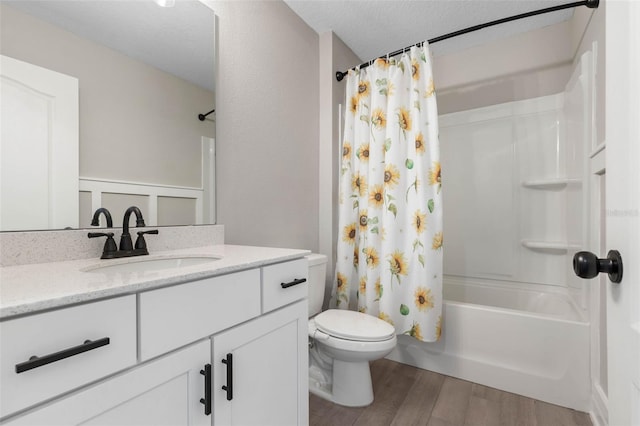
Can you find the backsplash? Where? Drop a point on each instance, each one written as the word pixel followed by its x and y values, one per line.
pixel 23 248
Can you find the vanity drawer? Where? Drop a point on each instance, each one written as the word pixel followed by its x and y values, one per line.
pixel 175 316
pixel 110 325
pixel 283 283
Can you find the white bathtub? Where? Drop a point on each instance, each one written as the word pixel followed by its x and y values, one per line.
pixel 498 334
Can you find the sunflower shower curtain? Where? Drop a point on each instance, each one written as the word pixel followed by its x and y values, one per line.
pixel 390 207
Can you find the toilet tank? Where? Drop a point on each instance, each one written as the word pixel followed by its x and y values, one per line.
pixel 317 275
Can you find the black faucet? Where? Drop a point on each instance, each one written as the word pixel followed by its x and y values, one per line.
pixel 110 250
pixel 95 221
pixel 125 240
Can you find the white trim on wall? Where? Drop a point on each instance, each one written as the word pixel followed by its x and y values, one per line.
pixel 209 179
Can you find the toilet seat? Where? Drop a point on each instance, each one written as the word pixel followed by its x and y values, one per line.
pixel 331 343
pixel 355 326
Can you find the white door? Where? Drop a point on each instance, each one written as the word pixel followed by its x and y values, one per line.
pixel 623 207
pixel 38 147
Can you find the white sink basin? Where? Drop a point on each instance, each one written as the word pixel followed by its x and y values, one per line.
pixel 149 265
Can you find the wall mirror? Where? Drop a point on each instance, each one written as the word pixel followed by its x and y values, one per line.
pixel 143 74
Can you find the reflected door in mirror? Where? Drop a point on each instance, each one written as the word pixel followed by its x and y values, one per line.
pixel 38 147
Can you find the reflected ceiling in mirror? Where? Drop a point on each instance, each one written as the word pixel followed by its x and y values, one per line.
pixel 175 39
pixel 144 72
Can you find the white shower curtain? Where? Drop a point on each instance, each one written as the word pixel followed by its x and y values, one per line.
pixel 389 250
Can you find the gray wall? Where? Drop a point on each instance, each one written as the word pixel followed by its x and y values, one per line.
pixel 137 123
pixel 334 56
pixel 267 125
pixel 528 65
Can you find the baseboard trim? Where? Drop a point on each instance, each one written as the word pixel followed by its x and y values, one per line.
pixel 599 406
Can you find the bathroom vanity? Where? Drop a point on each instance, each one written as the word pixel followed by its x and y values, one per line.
pixel 219 340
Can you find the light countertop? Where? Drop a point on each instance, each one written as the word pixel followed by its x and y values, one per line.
pixel 27 289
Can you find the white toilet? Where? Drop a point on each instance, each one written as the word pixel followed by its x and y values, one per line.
pixel 341 344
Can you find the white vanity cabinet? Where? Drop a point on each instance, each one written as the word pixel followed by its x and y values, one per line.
pixel 175 316
pixel 165 391
pixel 163 364
pixel 265 364
pixel 67 360
pixel 260 370
pixel 261 367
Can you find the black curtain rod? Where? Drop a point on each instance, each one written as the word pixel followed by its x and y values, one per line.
pixel 592 4
pixel 201 117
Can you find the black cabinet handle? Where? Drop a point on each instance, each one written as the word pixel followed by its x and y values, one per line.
pixel 294 282
pixel 207 389
pixel 229 386
pixel 36 361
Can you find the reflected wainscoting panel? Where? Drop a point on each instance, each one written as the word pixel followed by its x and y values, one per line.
pixel 160 205
pixel 176 211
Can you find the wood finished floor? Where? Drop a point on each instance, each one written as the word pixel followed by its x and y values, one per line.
pixel 406 395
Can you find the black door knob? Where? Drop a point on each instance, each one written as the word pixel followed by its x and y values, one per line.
pixel 587 265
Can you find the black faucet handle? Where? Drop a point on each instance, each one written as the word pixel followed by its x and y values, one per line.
pixel 140 242
pixel 110 247
pixel 100 234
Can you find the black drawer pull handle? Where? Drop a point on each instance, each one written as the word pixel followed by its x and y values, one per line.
pixel 294 282
pixel 36 361
pixel 207 389
pixel 229 386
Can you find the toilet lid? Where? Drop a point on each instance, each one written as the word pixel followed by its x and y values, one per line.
pixel 353 325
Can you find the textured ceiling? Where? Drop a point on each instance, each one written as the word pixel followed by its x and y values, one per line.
pixel 178 40
pixel 374 28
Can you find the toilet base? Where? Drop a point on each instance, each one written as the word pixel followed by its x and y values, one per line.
pixel 349 384
pixel 352 385
pixel 339 368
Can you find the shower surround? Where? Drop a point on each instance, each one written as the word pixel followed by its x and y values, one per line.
pixel 515 211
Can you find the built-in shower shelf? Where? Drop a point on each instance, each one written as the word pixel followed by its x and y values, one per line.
pixel 551 246
pixel 555 183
